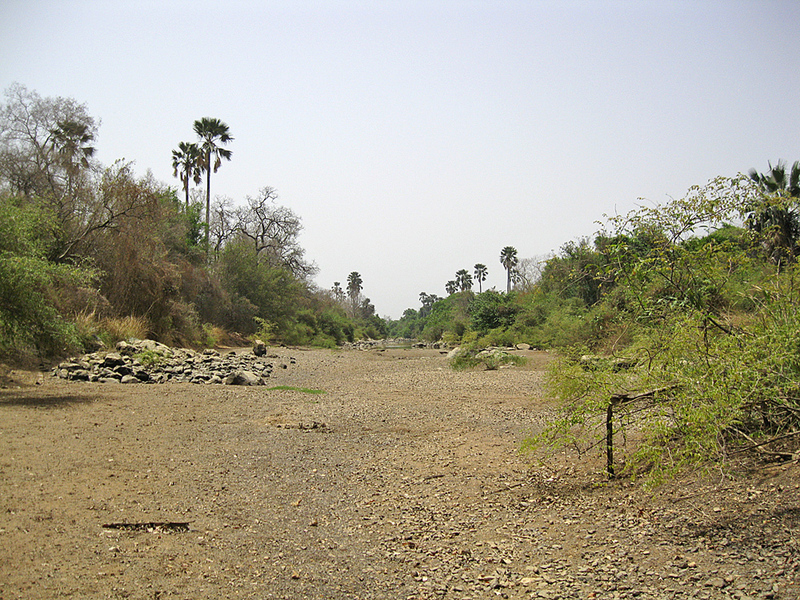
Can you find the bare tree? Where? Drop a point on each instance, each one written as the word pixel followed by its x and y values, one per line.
pixel 528 271
pixel 223 226
pixel 273 230
pixel 45 145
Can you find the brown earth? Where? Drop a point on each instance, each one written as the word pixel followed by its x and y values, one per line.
pixel 403 480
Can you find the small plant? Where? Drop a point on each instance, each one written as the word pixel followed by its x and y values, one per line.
pixel 211 335
pixel 295 389
pixel 125 328
pixel 265 331
pixel 148 358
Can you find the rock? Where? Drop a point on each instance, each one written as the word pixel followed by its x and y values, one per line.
pixel 523 346
pixel 129 379
pixel 113 359
pixel 79 375
pixel 259 348
pixel 243 378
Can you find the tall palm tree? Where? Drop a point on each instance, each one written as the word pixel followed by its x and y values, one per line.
pixel 777 218
pixel 211 133
pixel 354 289
pixel 451 287
pixel 463 280
pixel 187 164
pixel 71 143
pixel 480 275
pixel 508 258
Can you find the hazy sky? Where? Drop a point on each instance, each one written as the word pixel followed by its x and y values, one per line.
pixel 415 139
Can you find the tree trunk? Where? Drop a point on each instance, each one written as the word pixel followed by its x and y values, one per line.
pixel 208 199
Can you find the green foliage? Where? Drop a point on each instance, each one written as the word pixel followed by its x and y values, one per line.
pixel 714 328
pixel 491 310
pixel 148 358
pixel 31 287
pixel 273 291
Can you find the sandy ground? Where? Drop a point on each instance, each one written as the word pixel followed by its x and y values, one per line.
pixel 402 480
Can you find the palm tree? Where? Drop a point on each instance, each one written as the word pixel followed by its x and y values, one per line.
pixel 71 144
pixel 338 293
pixel 777 218
pixel 187 164
pixel 480 275
pixel 211 132
pixel 508 258
pixel 354 289
pixel 463 280
pixel 451 287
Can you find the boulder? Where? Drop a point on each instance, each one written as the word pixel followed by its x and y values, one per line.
pixel 259 348
pixel 113 359
pixel 243 378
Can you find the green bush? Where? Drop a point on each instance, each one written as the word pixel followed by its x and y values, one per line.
pixel 470 357
pixel 30 284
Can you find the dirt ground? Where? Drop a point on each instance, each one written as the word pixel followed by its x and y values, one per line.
pixel 403 480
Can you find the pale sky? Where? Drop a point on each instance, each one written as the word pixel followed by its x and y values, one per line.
pixel 415 139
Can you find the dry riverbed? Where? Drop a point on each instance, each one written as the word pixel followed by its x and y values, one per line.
pixel 403 480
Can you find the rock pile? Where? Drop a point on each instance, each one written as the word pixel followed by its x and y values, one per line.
pixel 148 361
pixel 392 343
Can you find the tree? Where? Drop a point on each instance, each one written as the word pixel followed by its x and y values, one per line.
pixel 480 275
pixel 776 217
pixel 273 231
pixel 463 280
pixel 508 258
pixel 211 133
pixel 71 144
pixel 337 291
pixel 44 146
pixel 427 301
pixel 451 287
pixel 187 164
pixel 354 289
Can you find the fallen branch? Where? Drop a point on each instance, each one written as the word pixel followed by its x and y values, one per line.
pixel 505 489
pixel 151 526
pixel 759 447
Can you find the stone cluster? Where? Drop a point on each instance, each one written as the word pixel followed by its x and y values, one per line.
pixel 392 343
pixel 148 361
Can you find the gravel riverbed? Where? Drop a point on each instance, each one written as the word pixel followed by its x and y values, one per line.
pixel 402 480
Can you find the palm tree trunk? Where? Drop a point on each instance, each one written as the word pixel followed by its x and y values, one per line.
pixel 208 199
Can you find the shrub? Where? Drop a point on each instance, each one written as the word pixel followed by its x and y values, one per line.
pixel 30 284
pixel 123 328
pixel 469 357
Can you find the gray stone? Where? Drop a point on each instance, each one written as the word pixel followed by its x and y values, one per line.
pixel 243 378
pixel 259 348
pixel 113 359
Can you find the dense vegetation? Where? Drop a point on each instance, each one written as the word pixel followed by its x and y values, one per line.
pixel 92 253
